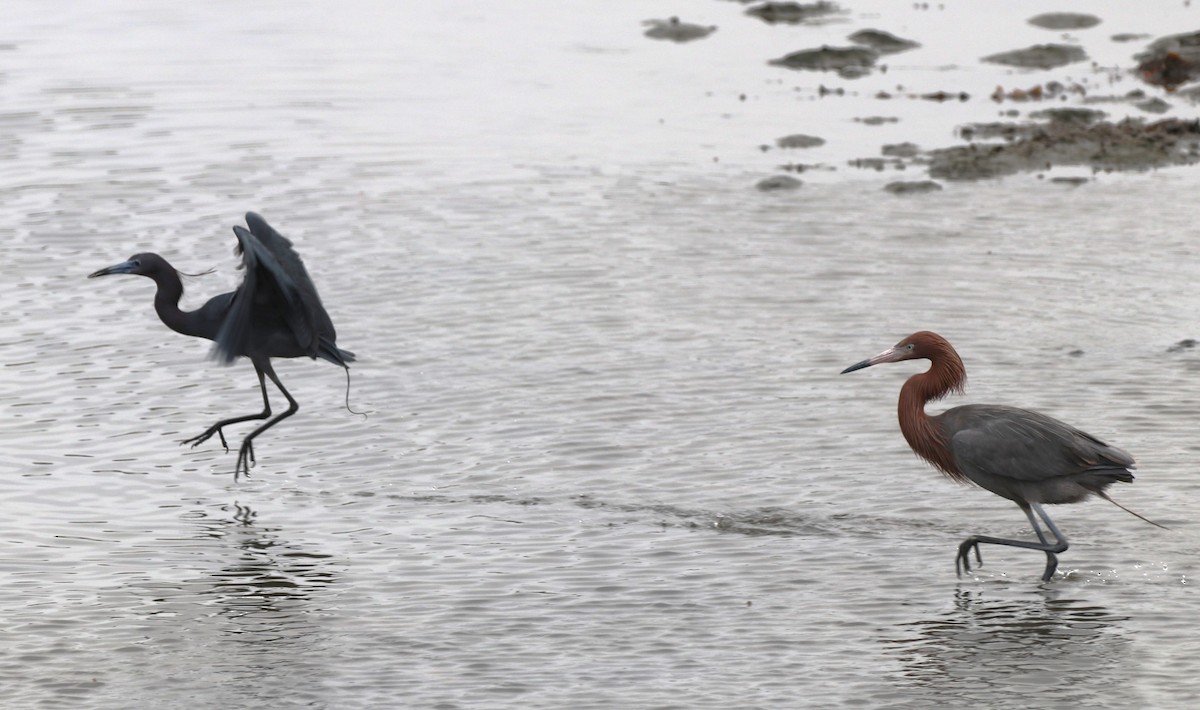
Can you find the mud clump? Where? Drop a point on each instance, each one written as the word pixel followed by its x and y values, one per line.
pixel 799 140
pixel 849 62
pixel 793 13
pixel 912 187
pixel 1128 145
pixel 901 150
pixel 882 42
pixel 778 183
pixel 675 31
pixel 1064 21
pixel 1071 115
pixel 1041 56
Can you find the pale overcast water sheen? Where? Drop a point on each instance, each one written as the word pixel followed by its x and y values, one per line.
pixel 609 461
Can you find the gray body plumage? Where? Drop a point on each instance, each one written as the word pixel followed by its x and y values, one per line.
pixel 1026 456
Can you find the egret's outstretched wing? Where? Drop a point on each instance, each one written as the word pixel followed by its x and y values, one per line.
pixel 288 263
pixel 275 288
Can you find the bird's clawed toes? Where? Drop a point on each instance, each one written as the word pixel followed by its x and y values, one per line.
pixel 245 460
pixel 962 563
pixel 198 440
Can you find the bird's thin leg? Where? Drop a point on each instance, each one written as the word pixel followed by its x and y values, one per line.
pixel 1059 545
pixel 1060 541
pixel 1037 530
pixel 246 453
pixel 216 428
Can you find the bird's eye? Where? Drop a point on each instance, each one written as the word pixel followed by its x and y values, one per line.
pixel 910 346
pixel 137 262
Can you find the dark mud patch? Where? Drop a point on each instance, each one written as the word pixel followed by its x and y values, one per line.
pixel 1040 56
pixel 674 30
pixel 1130 145
pixel 794 13
pixel 1154 105
pixel 1182 345
pixel 882 42
pixel 1069 181
pixel 799 140
pixel 1064 21
pixel 1170 61
pixel 1070 115
pixel 912 187
pixel 778 183
pixel 901 150
pixel 848 62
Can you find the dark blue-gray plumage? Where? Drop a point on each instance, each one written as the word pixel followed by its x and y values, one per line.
pixel 1026 457
pixel 275 312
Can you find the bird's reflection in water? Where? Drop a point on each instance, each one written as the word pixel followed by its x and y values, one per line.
pixel 1067 651
pixel 250 605
pixel 265 591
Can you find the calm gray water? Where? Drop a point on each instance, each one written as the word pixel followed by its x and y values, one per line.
pixel 609 461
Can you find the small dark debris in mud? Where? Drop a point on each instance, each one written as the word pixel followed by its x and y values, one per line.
pixel 882 42
pixel 823 90
pixel 1128 145
pixel 674 30
pixel 1075 353
pixel 1049 90
pixel 877 120
pixel 946 96
pixel 1185 344
pixel 995 129
pixel 1069 181
pixel 1154 105
pixel 1040 56
pixel 878 164
pixel 1072 115
pixel 912 187
pixel 849 62
pixel 793 12
pixel 1128 37
pixel 799 140
pixel 805 167
pixel 778 182
pixel 1064 21
pixel 901 150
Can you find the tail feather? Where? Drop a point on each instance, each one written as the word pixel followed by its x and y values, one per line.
pixel 328 351
pixel 1104 495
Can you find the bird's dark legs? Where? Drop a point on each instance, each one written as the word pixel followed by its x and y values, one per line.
pixel 1059 544
pixel 216 428
pixel 245 457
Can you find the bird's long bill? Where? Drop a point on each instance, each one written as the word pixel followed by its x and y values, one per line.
pixel 124 267
pixel 889 355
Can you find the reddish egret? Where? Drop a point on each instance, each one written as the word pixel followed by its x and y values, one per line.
pixel 274 313
pixel 1026 457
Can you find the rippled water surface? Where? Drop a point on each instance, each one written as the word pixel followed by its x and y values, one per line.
pixel 609 461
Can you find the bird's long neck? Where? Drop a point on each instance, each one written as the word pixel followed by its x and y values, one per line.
pixel 923 432
pixel 166 303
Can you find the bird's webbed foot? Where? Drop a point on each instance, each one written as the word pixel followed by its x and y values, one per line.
pixel 245 460
pixel 198 440
pixel 962 563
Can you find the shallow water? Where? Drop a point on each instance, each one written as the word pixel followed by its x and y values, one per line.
pixel 609 461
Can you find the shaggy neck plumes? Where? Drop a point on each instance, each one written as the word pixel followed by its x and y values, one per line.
pixel 946 374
